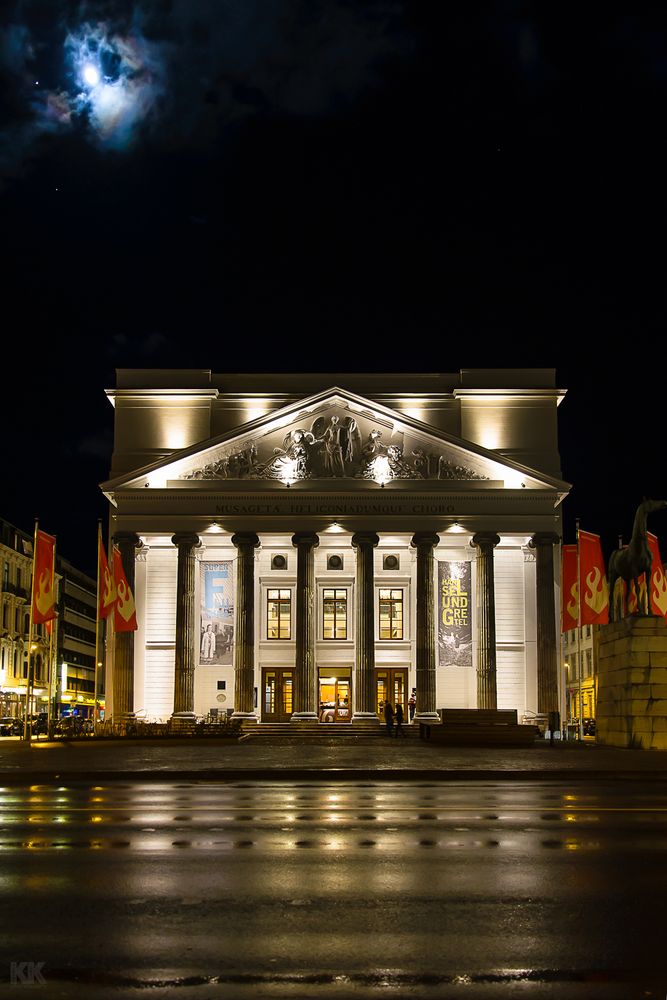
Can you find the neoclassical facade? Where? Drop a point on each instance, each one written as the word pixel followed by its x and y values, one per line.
pixel 305 547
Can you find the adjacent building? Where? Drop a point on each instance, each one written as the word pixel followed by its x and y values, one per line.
pixel 304 547
pixel 62 658
pixel 77 635
pixel 580 673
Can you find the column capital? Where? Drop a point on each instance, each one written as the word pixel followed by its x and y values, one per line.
pixel 308 539
pixel 425 539
pixel 187 539
pixel 245 539
pixel 362 539
pixel 485 539
pixel 544 538
pixel 127 538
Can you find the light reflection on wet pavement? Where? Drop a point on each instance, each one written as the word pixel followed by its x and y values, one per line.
pixel 307 888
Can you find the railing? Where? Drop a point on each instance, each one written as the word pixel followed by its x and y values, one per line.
pixel 140 729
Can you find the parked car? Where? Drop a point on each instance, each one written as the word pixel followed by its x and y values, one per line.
pixel 74 725
pixel 9 726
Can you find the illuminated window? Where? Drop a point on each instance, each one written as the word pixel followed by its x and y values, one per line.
pixel 270 693
pixel 279 614
pixel 334 605
pixel 391 613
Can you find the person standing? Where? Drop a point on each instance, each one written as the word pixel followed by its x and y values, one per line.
pixel 412 703
pixel 389 718
pixel 399 720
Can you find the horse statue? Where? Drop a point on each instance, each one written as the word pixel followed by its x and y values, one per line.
pixel 629 563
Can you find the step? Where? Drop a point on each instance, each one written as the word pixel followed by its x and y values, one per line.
pixel 317 730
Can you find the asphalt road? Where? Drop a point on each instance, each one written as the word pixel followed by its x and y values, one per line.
pixel 361 889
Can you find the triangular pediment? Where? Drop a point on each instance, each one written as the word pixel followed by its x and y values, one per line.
pixel 335 436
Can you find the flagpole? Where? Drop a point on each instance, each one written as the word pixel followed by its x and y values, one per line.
pixel 97 628
pixel 27 722
pixel 563 685
pixel 49 690
pixel 580 665
pixel 50 627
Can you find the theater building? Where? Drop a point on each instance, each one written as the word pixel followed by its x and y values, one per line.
pixel 304 547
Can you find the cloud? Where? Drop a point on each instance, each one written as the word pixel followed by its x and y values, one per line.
pixel 180 71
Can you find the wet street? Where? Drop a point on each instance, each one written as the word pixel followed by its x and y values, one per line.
pixel 307 889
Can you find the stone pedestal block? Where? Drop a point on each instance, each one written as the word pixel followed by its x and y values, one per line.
pixel 632 695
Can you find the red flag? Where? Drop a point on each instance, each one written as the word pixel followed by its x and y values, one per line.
pixel 594 586
pixel 43 582
pixel 569 589
pixel 105 584
pixel 125 617
pixel 658 581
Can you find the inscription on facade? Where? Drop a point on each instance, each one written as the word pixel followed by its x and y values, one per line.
pixel 333 509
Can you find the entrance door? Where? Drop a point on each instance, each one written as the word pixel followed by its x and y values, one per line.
pixel 392 686
pixel 335 699
pixel 277 695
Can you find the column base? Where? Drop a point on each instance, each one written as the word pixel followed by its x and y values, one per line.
pixel 298 717
pixel 185 716
pixel 364 717
pixel 427 718
pixel 245 717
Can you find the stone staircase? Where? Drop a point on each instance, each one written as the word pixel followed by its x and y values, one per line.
pixel 315 731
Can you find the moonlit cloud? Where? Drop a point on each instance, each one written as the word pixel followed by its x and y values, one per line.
pixel 115 81
pixel 180 71
pixel 103 80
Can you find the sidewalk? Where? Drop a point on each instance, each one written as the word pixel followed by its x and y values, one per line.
pixel 284 759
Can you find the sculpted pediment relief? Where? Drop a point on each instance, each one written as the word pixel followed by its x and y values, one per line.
pixel 336 442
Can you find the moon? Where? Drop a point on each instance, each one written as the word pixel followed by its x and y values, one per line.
pixel 91 75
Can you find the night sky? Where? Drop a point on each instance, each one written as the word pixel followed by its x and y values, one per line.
pixel 336 186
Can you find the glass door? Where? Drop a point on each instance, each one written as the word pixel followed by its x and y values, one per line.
pixel 276 695
pixel 335 700
pixel 392 686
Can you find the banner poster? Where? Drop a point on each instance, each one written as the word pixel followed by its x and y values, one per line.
pixel 216 638
pixel 454 614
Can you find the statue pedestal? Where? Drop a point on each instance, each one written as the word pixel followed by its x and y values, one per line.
pixel 632 684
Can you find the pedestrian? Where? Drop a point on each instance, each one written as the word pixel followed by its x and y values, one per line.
pixel 399 720
pixel 389 718
pixel 412 703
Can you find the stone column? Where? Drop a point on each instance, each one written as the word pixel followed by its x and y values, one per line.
pixel 425 542
pixel 547 642
pixel 186 626
pixel 364 698
pixel 305 675
pixel 244 639
pixel 123 660
pixel 487 697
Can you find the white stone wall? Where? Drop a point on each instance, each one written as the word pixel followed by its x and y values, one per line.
pixel 159 615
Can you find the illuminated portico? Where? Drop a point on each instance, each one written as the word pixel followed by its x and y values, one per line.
pixel 323 534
